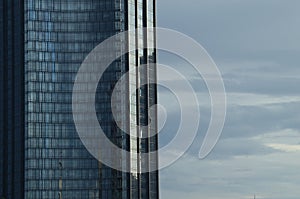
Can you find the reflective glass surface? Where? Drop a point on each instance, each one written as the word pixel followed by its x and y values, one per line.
pixel 36 98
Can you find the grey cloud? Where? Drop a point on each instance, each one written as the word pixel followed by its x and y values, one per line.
pixel 256 45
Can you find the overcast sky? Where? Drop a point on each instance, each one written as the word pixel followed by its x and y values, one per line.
pixel 256 45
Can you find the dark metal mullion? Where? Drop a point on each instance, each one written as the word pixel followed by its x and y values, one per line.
pixel 126 13
pixel 5 145
pixel 146 93
pixel 137 96
pixel 155 97
pixel 12 44
pixel 22 69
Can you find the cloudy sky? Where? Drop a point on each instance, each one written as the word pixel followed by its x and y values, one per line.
pixel 256 45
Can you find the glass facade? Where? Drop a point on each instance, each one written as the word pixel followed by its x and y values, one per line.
pixel 141 14
pixel 11 99
pixel 37 76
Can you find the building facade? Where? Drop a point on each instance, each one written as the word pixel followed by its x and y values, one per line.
pixel 43 43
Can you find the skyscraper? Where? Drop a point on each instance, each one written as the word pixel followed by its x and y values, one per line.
pixel 42 44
